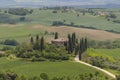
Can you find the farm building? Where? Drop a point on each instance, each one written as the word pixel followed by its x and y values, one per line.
pixel 59 42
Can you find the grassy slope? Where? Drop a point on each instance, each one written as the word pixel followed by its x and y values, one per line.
pixel 23 30
pixel 111 54
pixel 35 68
pixel 47 17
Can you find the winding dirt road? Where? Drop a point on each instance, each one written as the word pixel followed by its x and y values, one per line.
pixel 106 72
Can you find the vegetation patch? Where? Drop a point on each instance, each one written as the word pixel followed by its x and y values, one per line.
pixel 55 70
pixel 104 58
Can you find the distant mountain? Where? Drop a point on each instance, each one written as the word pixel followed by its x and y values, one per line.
pixel 99 6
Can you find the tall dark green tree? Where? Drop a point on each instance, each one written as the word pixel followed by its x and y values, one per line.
pixel 56 35
pixel 82 46
pixel 68 44
pixel 42 44
pixel 73 39
pixel 80 49
pixel 70 48
pixel 86 44
pixel 37 37
pixel 32 40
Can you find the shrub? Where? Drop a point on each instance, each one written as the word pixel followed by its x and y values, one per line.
pixel 117 77
pixel 6 48
pixel 44 76
pixel 98 61
pixel 57 23
pixel 38 59
pixel 116 21
pixel 111 16
pixel 54 12
pixel 10 42
pixel 18 11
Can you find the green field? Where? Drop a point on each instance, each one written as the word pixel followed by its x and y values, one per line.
pixel 111 54
pixel 53 69
pixel 40 21
pixel 23 30
pixel 46 17
pixel 115 53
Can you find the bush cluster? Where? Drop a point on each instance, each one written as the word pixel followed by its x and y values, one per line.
pixel 19 11
pixel 104 44
pixel 51 53
pixel 60 23
pixel 43 76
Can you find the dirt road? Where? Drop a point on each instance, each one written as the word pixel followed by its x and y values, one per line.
pixel 106 72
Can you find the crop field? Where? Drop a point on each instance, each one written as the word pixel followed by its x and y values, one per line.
pixel 21 32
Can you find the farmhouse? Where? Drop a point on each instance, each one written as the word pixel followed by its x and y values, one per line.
pixel 59 42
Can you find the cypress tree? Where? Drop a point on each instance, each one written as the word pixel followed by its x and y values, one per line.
pixel 73 39
pixel 80 50
pixel 56 35
pixel 31 40
pixel 71 45
pixel 82 45
pixel 42 44
pixel 37 37
pixel 68 43
pixel 86 44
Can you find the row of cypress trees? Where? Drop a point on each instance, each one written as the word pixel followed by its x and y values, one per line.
pixel 82 47
pixel 38 44
pixel 74 46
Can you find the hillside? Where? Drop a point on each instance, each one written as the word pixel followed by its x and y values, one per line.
pixel 21 32
pixel 108 58
pixel 47 17
pixel 55 69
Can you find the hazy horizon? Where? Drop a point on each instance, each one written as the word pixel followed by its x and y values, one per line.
pixel 61 2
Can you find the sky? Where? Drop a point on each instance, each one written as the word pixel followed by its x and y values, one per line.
pixel 73 1
pixel 60 2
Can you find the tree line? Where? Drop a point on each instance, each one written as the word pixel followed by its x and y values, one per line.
pixel 78 47
pixel 39 50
